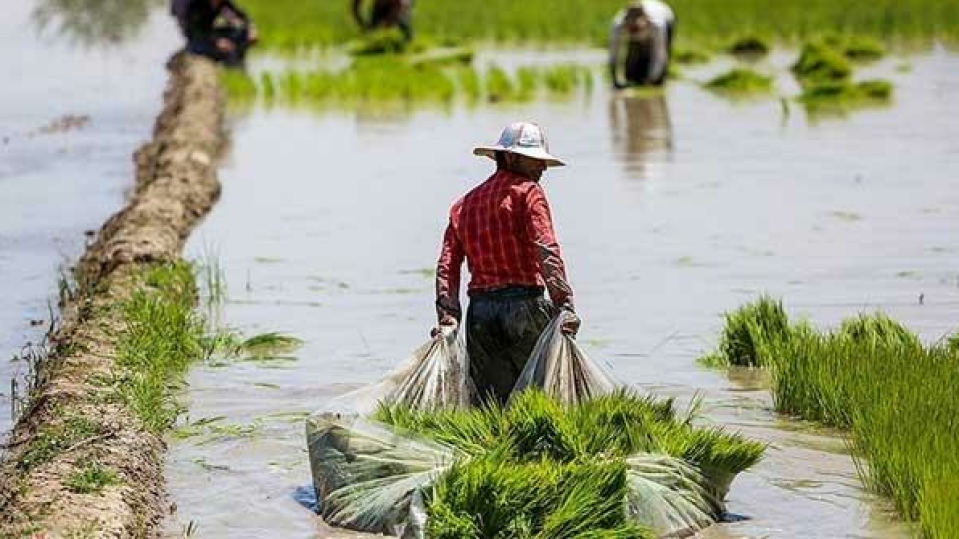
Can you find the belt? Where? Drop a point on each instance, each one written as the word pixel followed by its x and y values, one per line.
pixel 510 292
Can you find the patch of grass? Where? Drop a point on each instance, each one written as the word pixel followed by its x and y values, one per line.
pixel 749 332
pixel 820 63
pixel 895 396
pixel 92 478
pixel 418 79
pixel 843 95
pixel 267 345
pixel 857 48
pixel 749 46
pixel 161 337
pixel 691 56
pixel 741 82
pixel 290 25
pixel 54 439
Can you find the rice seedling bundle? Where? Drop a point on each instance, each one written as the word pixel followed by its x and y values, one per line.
pixel 741 82
pixel 896 397
pixel 539 468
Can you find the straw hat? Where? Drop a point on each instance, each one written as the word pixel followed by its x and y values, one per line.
pixel 523 138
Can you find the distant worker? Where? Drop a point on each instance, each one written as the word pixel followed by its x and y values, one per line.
pixel 387 14
pixel 217 29
pixel 645 30
pixel 504 230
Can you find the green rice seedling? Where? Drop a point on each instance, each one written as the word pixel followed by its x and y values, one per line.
pixel 749 46
pixel 691 56
pixel 749 333
pixel 387 41
pixel 487 498
pixel 270 344
pixel 292 25
pixel 820 63
pixel 565 79
pixel 92 479
pixel 741 82
pixel 878 330
pixel 499 87
pixel 863 48
pixel 539 428
pixel 238 85
pixel 896 397
pixel 528 81
pixel 475 431
pixel 841 96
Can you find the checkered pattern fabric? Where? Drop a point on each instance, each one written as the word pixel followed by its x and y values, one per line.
pixel 504 230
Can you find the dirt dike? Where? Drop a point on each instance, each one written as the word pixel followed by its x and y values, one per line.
pixel 176 186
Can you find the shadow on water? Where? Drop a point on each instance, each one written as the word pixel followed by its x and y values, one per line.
pixel 94 22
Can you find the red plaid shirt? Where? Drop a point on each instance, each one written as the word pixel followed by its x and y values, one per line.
pixel 504 230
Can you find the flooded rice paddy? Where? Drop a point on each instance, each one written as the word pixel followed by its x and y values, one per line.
pixel 675 208
pixel 71 115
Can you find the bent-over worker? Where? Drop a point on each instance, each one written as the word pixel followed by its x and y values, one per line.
pixel 217 29
pixel 387 14
pixel 504 230
pixel 645 30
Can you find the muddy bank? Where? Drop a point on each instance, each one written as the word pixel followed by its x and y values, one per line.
pixel 74 418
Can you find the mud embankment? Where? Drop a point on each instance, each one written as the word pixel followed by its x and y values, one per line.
pixel 73 418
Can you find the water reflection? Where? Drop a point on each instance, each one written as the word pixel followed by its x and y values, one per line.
pixel 641 129
pixel 94 22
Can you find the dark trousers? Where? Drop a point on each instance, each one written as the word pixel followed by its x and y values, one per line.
pixel 502 328
pixel 205 45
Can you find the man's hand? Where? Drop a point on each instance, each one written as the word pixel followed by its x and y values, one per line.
pixel 225 45
pixel 251 35
pixel 447 320
pixel 571 324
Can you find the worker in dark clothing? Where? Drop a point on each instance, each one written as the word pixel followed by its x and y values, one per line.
pixel 387 14
pixel 645 31
pixel 503 229
pixel 217 29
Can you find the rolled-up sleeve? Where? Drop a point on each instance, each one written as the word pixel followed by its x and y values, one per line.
pixel 540 231
pixel 448 272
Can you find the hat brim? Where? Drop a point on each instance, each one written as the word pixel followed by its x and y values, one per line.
pixel 534 153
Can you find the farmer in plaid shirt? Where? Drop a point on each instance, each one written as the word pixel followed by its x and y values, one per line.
pixel 504 231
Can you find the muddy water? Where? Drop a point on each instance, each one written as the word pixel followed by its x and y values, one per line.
pixel 61 176
pixel 674 209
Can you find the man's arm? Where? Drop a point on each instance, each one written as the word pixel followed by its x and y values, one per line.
pixel 357 13
pixel 540 231
pixel 448 271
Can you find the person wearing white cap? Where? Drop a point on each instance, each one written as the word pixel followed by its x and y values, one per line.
pixel 645 30
pixel 503 230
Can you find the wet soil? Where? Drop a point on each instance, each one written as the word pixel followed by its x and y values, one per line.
pixel 675 208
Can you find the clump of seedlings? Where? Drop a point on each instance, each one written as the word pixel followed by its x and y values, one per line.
pixel 544 469
pixel 741 82
pixel 825 74
pixel 896 397
pixel 749 333
pixel 691 56
pixel 749 47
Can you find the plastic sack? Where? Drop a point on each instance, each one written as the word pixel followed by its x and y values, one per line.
pixel 669 495
pixel 561 369
pixel 436 375
pixel 369 477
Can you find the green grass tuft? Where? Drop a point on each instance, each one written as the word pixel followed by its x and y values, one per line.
pixel 819 63
pixel 92 479
pixel 741 82
pixel 691 56
pixel 749 332
pixel 750 46
pixel 267 345
pixel 54 439
pixel 161 337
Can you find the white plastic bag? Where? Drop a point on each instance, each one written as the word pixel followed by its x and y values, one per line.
pixel 669 495
pixel 560 368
